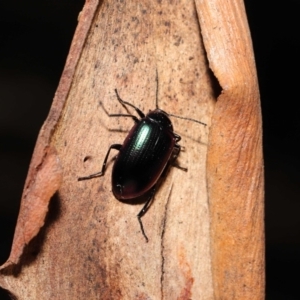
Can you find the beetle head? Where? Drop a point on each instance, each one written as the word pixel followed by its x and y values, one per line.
pixel 161 117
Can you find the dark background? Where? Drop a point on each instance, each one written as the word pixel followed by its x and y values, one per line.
pixel 34 41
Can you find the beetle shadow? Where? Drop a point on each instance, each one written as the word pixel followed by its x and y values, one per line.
pixel 108 115
pixel 188 136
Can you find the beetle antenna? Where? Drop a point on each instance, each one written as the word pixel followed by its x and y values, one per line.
pixel 183 118
pixel 189 119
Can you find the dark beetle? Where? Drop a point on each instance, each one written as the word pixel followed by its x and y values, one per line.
pixel 148 148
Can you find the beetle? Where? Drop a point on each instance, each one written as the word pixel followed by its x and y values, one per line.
pixel 145 153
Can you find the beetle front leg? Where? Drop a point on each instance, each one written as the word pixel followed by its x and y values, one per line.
pixel 101 173
pixel 144 210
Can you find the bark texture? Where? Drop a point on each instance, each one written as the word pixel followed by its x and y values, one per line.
pixel 205 226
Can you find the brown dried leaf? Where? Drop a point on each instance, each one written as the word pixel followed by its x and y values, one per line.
pixel 95 249
pixel 34 205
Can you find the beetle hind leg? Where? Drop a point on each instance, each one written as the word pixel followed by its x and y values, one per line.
pixel 144 210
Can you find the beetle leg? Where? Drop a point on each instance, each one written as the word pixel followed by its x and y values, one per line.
pixel 101 173
pixel 177 149
pixel 177 138
pixel 140 113
pixel 144 210
pixel 179 167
